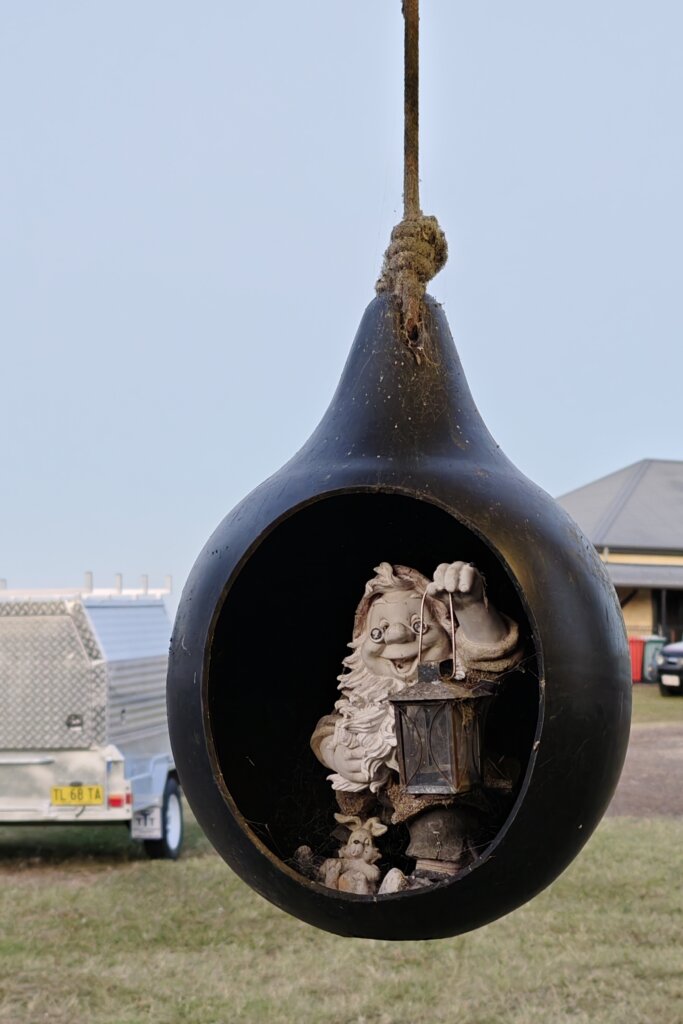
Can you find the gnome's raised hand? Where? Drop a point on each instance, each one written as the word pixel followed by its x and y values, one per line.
pixel 479 621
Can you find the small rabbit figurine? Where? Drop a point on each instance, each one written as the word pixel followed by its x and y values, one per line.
pixel 354 868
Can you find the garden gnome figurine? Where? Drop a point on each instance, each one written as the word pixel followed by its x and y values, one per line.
pixel 357 741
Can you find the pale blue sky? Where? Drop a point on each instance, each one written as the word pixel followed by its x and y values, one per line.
pixel 194 201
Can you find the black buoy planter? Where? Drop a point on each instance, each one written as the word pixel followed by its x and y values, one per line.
pixel 403 469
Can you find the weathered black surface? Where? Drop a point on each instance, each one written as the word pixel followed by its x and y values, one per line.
pixel 403 469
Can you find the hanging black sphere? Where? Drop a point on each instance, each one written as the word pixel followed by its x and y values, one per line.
pixel 401 468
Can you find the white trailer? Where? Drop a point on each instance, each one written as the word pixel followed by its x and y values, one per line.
pixel 83 733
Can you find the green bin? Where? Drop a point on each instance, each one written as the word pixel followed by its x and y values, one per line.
pixel 653 645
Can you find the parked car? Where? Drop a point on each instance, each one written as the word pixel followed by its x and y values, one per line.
pixel 670 669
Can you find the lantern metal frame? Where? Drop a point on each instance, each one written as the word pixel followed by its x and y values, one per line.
pixel 460 707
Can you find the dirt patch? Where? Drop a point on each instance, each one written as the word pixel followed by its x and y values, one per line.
pixel 652 780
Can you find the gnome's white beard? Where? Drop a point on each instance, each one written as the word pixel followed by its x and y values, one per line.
pixel 366 724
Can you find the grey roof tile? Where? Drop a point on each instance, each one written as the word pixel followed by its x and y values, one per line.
pixel 639 507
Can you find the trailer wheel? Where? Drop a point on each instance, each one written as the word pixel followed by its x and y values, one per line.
pixel 168 847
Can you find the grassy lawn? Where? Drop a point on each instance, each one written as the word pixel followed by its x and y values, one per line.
pixel 650 707
pixel 101 936
pixel 91 932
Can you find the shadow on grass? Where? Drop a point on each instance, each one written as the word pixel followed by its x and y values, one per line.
pixel 26 846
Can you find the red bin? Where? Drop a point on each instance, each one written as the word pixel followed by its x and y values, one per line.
pixel 636 646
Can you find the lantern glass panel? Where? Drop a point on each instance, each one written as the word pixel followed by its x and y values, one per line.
pixel 428 747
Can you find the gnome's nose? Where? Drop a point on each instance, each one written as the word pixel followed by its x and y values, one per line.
pixel 398 633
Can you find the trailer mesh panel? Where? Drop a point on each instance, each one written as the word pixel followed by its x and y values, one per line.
pixel 53 694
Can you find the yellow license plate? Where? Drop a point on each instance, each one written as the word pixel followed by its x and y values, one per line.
pixel 77 796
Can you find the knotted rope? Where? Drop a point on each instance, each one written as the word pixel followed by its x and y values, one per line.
pixel 418 248
pixel 417 252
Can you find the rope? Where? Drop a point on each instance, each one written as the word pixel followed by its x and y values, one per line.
pixel 411 109
pixel 418 248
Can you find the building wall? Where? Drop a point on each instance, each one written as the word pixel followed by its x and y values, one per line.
pixel 650 611
pixel 638 613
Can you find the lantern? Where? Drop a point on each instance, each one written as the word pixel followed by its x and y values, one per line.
pixel 439 733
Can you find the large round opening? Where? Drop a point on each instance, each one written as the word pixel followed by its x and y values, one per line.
pixel 277 650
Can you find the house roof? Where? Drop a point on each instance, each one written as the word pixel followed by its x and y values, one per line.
pixel 622 574
pixel 636 508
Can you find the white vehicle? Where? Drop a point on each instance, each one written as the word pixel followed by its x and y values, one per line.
pixel 83 733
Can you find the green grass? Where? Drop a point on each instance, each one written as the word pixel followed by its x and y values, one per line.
pixel 105 937
pixel 91 932
pixel 650 707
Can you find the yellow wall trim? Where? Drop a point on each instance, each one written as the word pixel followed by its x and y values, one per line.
pixel 632 558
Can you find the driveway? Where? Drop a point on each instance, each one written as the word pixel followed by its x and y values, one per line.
pixel 652 780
